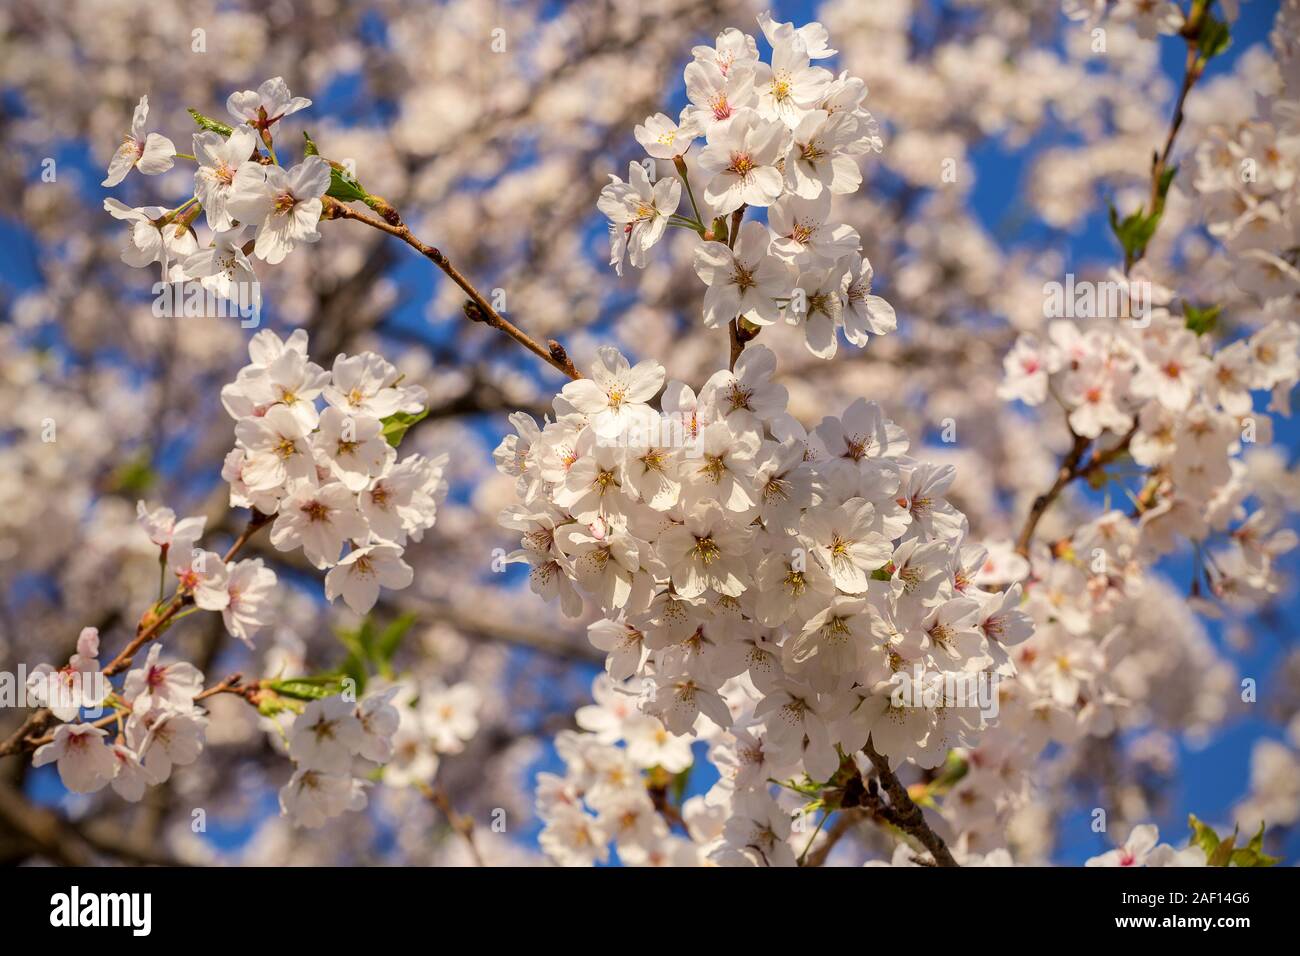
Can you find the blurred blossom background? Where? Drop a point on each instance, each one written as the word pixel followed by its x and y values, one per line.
pixel 497 159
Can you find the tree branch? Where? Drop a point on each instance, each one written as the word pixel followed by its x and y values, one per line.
pixel 478 309
pixel 1071 469
pixel 904 813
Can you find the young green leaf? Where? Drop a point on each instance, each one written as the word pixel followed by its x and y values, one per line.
pixel 1201 320
pixel 307 688
pixel 398 424
pixel 343 185
pixel 390 638
pixel 1202 835
pixel 1215 37
pixel 208 123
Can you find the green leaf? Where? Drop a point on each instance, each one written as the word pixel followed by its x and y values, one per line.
pixel 1166 180
pixel 271 706
pixel 208 123
pixel 389 639
pixel 1201 320
pixel 136 476
pixel 1252 854
pixel 1257 841
pixel 343 185
pixel 308 688
pixel 360 650
pixel 398 424
pixel 1222 854
pixel 354 667
pixel 1202 835
pixel 1134 231
pixel 1215 37
pixel 954 769
pixel 1250 858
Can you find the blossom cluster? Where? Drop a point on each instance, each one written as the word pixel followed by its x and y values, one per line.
pixel 435 721
pixel 782 137
pixel 240 590
pixel 324 479
pixel 160 726
pixel 1117 649
pixel 1184 412
pixel 338 748
pixel 249 202
pixel 335 746
pixel 1245 175
pixel 330 477
pixel 766 586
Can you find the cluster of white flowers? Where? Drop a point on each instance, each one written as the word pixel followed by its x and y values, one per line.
pixel 327 478
pixel 603 797
pixel 1245 171
pixel 782 137
pixel 1114 646
pixel 339 747
pixel 435 721
pixel 1185 411
pixel 693 539
pixel 330 477
pixel 336 745
pixel 244 194
pixel 240 590
pixel 159 725
pixel 766 584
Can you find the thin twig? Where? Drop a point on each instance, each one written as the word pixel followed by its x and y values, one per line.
pixel 1068 471
pixel 552 353
pixel 845 820
pixel 461 823
pixel 1072 468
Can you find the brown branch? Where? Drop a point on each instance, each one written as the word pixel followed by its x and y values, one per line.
pixel 845 820
pixel 72 844
pixel 152 625
pixel 1068 471
pixel 657 786
pixel 1192 70
pixel 1072 468
pixel 903 813
pixel 478 309
pixel 461 823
